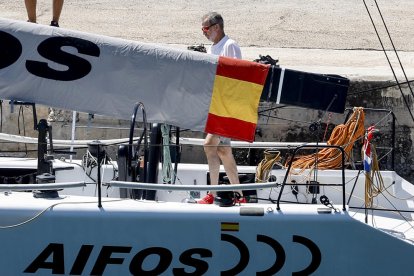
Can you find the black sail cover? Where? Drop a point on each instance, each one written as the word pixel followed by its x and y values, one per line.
pixel 309 90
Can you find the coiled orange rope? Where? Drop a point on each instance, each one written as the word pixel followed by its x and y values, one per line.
pixel 343 135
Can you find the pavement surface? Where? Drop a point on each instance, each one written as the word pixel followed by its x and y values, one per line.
pixel 324 36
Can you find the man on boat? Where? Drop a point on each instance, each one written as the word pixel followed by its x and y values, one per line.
pixel 216 147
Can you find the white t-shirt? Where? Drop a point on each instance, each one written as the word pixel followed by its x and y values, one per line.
pixel 225 47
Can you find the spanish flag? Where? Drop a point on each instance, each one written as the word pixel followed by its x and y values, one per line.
pixel 237 88
pixel 230 226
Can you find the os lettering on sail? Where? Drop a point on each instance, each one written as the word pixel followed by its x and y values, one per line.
pixel 52 50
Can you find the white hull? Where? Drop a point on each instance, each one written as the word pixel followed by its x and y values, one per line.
pixel 125 236
pixel 71 235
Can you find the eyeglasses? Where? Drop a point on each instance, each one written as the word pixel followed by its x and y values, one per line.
pixel 206 28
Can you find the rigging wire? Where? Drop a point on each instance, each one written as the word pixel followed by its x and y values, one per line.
pixel 378 88
pixel 389 62
pixel 399 212
pixel 327 125
pixel 393 46
pixel 262 113
pixel 271 109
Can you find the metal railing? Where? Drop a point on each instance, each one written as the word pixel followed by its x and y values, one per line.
pixel 296 184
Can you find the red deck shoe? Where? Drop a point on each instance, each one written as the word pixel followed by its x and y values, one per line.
pixel 240 200
pixel 208 199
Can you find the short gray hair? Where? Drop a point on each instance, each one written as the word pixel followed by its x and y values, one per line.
pixel 214 18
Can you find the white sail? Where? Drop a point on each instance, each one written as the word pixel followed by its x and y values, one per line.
pixel 104 75
pixel 107 76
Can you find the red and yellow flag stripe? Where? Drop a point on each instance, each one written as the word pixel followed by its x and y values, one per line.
pixel 230 226
pixel 237 88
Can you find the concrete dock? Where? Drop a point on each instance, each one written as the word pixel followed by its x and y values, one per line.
pixel 322 36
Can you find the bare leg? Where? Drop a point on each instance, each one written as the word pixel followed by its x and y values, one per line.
pixel 213 159
pixel 57 9
pixel 31 10
pixel 226 156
